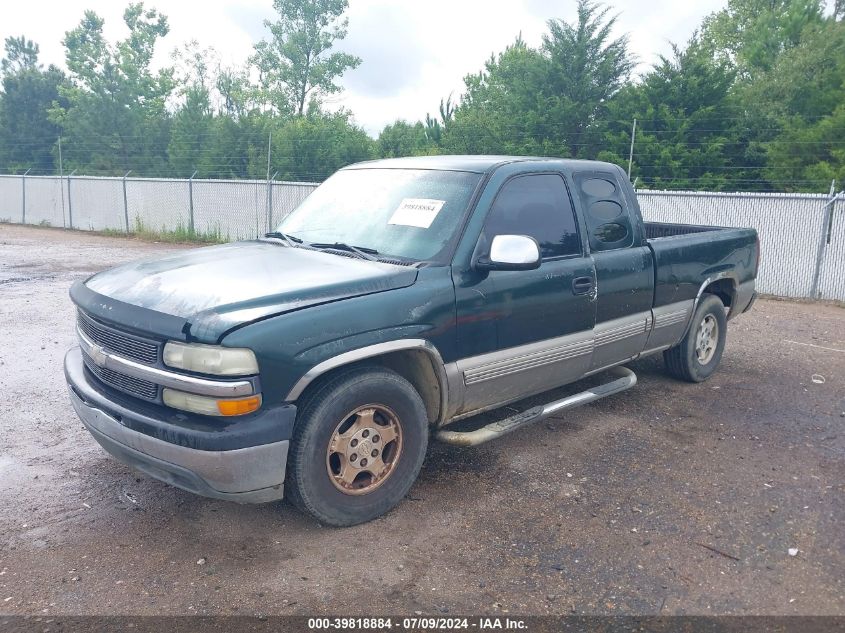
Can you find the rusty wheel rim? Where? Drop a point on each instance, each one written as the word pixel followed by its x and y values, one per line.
pixel 364 449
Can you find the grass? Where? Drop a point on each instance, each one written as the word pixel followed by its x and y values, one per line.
pixel 179 234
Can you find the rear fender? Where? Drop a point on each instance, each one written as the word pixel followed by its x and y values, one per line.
pixel 723 285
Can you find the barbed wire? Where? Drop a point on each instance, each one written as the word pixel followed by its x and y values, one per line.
pixel 90 145
pixel 668 182
pixel 245 164
pixel 259 134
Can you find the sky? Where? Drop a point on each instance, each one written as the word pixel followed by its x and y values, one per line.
pixel 413 53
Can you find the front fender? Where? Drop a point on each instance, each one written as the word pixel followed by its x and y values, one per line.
pixel 293 349
pixel 371 351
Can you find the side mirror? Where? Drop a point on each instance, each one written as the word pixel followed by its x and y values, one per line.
pixel 511 252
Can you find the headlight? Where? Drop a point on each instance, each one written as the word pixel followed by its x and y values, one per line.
pixel 210 359
pixel 210 406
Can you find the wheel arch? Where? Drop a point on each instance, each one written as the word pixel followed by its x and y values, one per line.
pixel 416 360
pixel 724 288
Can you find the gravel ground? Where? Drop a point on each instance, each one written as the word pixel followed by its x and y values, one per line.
pixel 669 499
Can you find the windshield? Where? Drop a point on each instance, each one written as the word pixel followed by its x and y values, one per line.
pixel 411 213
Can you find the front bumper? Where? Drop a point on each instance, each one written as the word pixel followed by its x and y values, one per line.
pixel 223 463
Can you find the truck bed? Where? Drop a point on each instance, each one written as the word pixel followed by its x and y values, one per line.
pixel 656 230
pixel 687 256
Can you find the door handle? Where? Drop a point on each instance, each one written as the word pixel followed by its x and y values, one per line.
pixel 582 285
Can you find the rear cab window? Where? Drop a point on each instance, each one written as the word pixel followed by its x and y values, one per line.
pixel 606 212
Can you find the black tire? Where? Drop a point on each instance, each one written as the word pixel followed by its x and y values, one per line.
pixel 682 361
pixel 308 483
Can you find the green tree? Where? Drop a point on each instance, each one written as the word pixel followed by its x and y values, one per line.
pixel 190 131
pixel 434 127
pixel 297 64
pixel 115 117
pixel 230 145
pixel 403 139
pixel 501 110
pixel 806 156
pixel 237 94
pixel 21 55
pixel 686 137
pixel 753 33
pixel 27 92
pixel 803 96
pixel 551 101
pixel 192 122
pixel 312 147
pixel 586 69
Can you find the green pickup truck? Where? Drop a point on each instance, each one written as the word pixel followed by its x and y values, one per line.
pixel 399 300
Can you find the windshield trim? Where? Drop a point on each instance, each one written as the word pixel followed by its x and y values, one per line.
pixel 454 170
pixel 451 248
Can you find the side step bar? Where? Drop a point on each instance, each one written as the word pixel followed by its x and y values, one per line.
pixel 624 379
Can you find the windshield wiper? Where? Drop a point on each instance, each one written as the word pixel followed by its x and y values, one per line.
pixel 362 251
pixel 290 239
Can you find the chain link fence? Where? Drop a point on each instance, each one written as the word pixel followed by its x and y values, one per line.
pixel 802 235
pixel 230 209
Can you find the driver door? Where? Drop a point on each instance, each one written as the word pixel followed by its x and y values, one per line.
pixel 532 330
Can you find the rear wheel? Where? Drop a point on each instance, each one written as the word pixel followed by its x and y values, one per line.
pixel 698 354
pixel 358 446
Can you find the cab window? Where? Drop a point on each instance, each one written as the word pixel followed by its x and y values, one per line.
pixel 536 205
pixel 608 222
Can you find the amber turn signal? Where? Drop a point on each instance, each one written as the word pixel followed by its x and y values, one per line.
pixel 210 406
pixel 239 407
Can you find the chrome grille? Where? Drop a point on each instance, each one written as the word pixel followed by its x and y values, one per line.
pixel 135 348
pixel 128 384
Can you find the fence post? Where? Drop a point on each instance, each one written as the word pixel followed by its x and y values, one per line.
pixel 69 200
pixel 270 202
pixel 191 203
pixel 826 212
pixel 62 182
pixel 23 196
pixel 125 202
pixel 829 228
pixel 267 207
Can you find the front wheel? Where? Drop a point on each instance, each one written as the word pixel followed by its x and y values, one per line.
pixel 357 447
pixel 698 354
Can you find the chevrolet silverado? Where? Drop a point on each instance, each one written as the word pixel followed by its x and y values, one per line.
pixel 402 298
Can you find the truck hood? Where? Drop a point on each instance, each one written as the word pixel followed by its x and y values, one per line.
pixel 220 287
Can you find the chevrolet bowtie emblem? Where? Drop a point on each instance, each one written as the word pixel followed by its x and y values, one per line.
pixel 98 355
